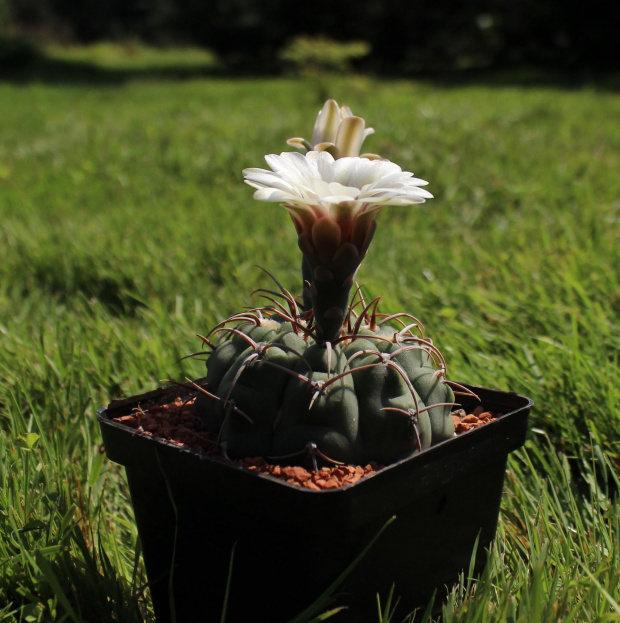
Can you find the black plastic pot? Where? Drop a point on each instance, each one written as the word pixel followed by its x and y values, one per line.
pixel 291 543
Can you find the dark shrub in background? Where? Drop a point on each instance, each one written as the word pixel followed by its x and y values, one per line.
pixel 404 35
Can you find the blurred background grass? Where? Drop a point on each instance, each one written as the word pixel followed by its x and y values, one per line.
pixel 125 229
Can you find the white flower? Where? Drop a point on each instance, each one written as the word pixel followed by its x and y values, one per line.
pixel 336 130
pixel 315 186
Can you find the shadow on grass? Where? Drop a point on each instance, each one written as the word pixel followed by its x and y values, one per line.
pixel 525 77
pixel 35 67
pixel 41 69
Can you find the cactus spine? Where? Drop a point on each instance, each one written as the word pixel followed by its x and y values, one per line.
pixel 275 389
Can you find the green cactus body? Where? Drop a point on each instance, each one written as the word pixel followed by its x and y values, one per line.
pixel 327 417
pixel 274 389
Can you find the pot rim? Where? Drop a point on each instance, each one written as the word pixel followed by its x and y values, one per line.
pixel 518 404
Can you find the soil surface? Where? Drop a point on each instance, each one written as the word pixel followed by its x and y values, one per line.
pixel 176 423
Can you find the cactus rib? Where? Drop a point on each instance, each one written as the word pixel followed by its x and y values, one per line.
pixel 276 388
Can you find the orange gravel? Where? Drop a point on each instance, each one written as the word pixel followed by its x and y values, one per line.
pixel 464 421
pixel 323 478
pixel 176 423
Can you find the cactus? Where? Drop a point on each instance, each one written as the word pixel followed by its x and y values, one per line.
pixel 330 380
pixel 274 389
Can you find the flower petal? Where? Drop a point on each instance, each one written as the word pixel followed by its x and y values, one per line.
pixel 271 194
pixel 350 136
pixel 316 181
pixel 299 143
pixel 326 124
pixel 330 148
pixel 331 122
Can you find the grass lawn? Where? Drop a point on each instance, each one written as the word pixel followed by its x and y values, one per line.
pixel 125 229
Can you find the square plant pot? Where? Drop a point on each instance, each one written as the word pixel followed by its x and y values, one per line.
pixel 291 543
